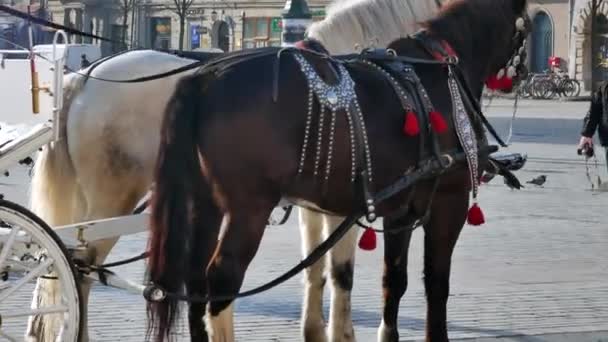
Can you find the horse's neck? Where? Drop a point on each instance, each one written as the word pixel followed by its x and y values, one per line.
pixel 472 43
pixel 420 49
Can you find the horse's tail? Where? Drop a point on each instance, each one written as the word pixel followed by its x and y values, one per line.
pixel 179 188
pixel 56 197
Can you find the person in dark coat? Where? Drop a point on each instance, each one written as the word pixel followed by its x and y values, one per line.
pixel 84 62
pixel 596 120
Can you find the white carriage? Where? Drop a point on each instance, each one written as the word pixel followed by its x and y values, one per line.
pixel 29 248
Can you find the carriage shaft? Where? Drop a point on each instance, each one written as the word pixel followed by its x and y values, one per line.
pixel 112 280
pixel 74 235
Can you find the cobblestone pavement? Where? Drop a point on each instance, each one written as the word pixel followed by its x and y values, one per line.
pixel 538 266
pixel 536 271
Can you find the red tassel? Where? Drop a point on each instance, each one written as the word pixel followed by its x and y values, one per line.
pixel 475 216
pixel 368 240
pixel 411 126
pixel 504 84
pixel 438 122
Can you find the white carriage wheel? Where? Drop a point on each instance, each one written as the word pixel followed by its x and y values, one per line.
pixel 22 232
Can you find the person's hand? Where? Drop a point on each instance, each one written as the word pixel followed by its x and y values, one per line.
pixel 585 141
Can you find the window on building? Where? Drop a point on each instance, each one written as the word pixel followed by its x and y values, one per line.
pixel 160 33
pixel 118 34
pixel 542 42
pixel 261 32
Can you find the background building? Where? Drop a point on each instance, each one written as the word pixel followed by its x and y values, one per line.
pixel 562 27
pixel 227 25
pixel 15 30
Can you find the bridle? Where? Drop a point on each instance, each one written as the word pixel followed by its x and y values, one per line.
pixel 515 65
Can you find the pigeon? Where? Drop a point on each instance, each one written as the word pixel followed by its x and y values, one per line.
pixel 538 181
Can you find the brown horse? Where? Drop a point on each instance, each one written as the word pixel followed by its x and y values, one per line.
pixel 234 143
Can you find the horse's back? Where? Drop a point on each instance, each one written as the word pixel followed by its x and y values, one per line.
pixel 138 63
pixel 109 120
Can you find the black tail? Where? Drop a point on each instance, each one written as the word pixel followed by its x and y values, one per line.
pixel 179 186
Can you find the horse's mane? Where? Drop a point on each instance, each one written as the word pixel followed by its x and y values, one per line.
pixel 469 19
pixel 366 23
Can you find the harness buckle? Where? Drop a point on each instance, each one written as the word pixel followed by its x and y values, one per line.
pixel 446 161
pixel 451 59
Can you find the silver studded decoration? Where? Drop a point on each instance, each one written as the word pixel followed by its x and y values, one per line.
pixel 337 97
pixel 411 75
pixel 466 134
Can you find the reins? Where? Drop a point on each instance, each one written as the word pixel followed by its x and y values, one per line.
pixel 430 168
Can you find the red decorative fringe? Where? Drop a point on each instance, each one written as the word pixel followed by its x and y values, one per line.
pixel 411 126
pixel 438 122
pixel 475 216
pixel 504 84
pixel 368 240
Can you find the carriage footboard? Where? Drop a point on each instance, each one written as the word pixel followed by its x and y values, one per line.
pixel 24 146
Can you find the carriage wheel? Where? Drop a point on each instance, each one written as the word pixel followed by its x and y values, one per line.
pixel 30 249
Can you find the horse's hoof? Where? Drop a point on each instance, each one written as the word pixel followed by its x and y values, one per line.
pixel 314 333
pixel 387 334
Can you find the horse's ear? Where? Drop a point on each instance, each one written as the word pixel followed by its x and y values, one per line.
pixel 519 6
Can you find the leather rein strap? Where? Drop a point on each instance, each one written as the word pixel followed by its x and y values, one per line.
pixel 441 50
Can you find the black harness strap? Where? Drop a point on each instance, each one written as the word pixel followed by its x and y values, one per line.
pixel 433 45
pixel 98 62
pixel 432 168
pixel 46 23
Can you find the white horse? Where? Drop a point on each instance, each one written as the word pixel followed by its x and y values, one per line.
pixel 103 162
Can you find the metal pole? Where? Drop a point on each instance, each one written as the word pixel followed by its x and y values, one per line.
pixel 33 73
pixel 593 42
pixel 296 19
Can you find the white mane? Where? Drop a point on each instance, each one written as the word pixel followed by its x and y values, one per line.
pixel 367 23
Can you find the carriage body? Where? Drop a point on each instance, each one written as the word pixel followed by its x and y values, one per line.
pixel 29 247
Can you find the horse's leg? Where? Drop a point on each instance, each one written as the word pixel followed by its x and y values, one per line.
pixel 313 323
pixel 394 279
pixel 112 184
pixel 341 266
pixel 225 274
pixel 448 214
pixel 205 234
pixel 105 200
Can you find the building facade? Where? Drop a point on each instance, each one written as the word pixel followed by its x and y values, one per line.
pixel 14 32
pixel 561 28
pixel 227 25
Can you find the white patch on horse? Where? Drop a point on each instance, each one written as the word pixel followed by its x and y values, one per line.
pixel 76 179
pixel 220 328
pixel 341 267
pixel 312 321
pixel 383 333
